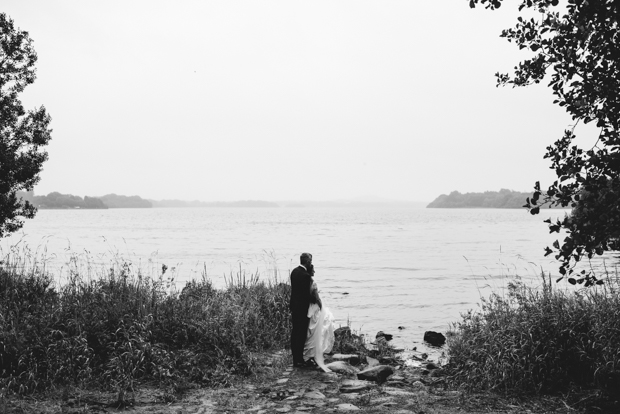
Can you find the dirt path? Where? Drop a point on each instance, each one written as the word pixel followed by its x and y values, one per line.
pixel 280 388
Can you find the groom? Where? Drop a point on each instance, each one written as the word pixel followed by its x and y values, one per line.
pixel 301 280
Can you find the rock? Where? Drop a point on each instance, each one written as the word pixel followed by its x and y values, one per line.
pixel 342 367
pixel 434 338
pixel 346 407
pixel 372 362
pixel 282 381
pixel 284 409
pixel 342 331
pixel 396 392
pixel 391 383
pixel 314 395
pixel 401 328
pixel 352 359
pixel 387 336
pixel 348 386
pixel 431 365
pixel 418 386
pixel 350 396
pixel 349 348
pixel 315 403
pixel 388 360
pixel 377 374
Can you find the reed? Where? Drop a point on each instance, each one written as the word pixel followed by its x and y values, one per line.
pixel 123 327
pixel 541 341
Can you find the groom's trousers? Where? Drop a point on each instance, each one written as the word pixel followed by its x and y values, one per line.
pixel 298 335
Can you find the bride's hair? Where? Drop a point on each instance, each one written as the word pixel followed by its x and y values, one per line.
pixel 311 269
pixel 314 295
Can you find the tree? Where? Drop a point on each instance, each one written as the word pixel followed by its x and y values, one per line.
pixel 23 135
pixel 576 46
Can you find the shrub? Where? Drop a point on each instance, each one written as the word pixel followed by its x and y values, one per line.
pixel 540 341
pixel 124 327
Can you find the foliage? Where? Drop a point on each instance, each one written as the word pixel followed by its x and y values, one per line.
pixel 122 328
pixel 57 200
pixel 540 341
pixel 489 199
pixel 578 44
pixel 22 134
pixel 121 201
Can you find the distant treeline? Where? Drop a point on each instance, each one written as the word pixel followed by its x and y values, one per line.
pixel 489 199
pixel 244 203
pixel 57 200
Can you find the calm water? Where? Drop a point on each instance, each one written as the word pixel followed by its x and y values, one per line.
pixel 380 268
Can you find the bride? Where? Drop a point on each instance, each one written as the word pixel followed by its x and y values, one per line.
pixel 320 337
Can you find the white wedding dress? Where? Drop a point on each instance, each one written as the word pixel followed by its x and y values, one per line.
pixel 320 338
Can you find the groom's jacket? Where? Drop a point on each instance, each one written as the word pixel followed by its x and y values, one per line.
pixel 300 290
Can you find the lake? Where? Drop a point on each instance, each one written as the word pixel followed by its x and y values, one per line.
pixel 380 268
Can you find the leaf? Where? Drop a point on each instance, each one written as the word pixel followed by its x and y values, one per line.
pixel 472 4
pixel 572 281
pixel 559 279
pixel 535 211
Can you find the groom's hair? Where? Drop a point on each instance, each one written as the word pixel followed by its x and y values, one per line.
pixel 305 258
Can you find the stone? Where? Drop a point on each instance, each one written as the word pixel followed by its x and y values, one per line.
pixel 342 367
pixel 282 381
pixel 346 407
pixel 377 374
pixel 385 360
pixel 372 362
pixel 315 395
pixel 386 336
pixel 348 348
pixel 315 403
pixel 285 409
pixel 351 396
pixel 395 392
pixel 342 331
pixel 417 385
pixel 350 358
pixel 434 338
pixel 431 365
pixel 349 386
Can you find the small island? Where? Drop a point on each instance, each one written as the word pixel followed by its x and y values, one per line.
pixel 489 199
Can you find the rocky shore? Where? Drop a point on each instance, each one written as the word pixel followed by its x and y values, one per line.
pixel 385 383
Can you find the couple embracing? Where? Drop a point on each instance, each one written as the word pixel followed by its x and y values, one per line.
pixel 313 323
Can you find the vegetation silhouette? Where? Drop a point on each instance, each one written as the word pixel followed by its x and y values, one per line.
pixel 23 135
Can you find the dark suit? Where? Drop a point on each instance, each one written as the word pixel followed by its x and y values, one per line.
pixel 300 301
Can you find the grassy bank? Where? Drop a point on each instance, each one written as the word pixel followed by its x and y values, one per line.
pixel 122 327
pixel 542 341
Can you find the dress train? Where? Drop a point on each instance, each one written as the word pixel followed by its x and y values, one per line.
pixel 320 338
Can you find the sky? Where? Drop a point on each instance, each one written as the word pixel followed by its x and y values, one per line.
pixel 284 100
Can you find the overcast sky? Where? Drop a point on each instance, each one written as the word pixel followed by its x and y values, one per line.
pixel 283 100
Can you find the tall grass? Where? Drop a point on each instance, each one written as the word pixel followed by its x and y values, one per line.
pixel 123 327
pixel 541 341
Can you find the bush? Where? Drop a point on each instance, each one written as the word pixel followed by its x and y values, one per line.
pixel 540 341
pixel 123 327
